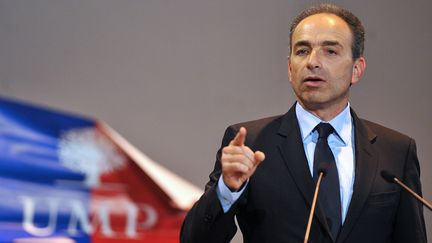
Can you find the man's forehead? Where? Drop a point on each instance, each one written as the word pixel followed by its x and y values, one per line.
pixel 322 27
pixel 322 21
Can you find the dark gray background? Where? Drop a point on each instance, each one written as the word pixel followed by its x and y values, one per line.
pixel 170 75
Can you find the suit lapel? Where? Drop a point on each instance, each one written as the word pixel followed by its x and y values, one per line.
pixel 365 171
pixel 292 151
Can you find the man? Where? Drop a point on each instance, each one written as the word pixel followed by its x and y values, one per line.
pixel 266 170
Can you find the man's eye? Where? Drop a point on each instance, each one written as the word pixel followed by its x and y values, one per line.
pixel 331 51
pixel 301 52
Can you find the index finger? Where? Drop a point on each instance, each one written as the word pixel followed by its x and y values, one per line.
pixel 240 137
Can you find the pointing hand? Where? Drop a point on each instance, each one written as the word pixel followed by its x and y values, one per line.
pixel 238 161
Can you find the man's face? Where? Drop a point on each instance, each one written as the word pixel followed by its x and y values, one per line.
pixel 320 67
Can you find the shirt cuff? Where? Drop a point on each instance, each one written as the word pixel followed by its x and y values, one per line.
pixel 226 197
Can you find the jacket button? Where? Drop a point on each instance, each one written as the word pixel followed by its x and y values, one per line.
pixel 208 218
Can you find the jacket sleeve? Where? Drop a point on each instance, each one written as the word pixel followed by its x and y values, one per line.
pixel 206 221
pixel 409 224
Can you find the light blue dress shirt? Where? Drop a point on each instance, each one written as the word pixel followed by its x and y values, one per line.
pixel 341 143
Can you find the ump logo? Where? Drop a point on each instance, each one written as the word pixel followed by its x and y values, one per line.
pixel 88 151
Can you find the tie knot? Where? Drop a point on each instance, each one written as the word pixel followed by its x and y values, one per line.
pixel 324 130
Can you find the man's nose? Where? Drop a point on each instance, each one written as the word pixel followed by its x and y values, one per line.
pixel 313 61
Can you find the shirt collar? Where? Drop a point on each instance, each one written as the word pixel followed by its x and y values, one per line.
pixel 342 123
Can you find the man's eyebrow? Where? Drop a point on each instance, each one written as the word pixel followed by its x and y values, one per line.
pixel 330 43
pixel 302 43
pixel 324 43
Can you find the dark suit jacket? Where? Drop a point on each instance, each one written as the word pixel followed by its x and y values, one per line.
pixel 276 203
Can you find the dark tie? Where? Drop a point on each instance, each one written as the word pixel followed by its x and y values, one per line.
pixel 329 193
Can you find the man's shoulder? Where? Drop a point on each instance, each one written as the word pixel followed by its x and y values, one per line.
pixel 259 124
pixel 263 126
pixel 383 132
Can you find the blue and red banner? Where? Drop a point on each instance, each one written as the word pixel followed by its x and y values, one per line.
pixel 66 178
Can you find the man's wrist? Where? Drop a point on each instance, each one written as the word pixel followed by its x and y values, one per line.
pixel 227 197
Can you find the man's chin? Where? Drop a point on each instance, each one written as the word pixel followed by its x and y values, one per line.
pixel 312 102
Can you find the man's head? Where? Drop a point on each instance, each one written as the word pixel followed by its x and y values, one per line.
pixel 353 22
pixel 322 65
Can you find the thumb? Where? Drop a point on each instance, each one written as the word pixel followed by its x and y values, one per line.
pixel 259 157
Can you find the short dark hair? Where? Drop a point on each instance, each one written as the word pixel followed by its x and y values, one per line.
pixel 353 22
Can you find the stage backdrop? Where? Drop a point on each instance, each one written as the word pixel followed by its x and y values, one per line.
pixel 170 75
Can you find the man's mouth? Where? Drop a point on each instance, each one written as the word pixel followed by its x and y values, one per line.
pixel 314 81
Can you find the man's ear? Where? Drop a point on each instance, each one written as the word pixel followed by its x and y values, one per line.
pixel 289 68
pixel 358 70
